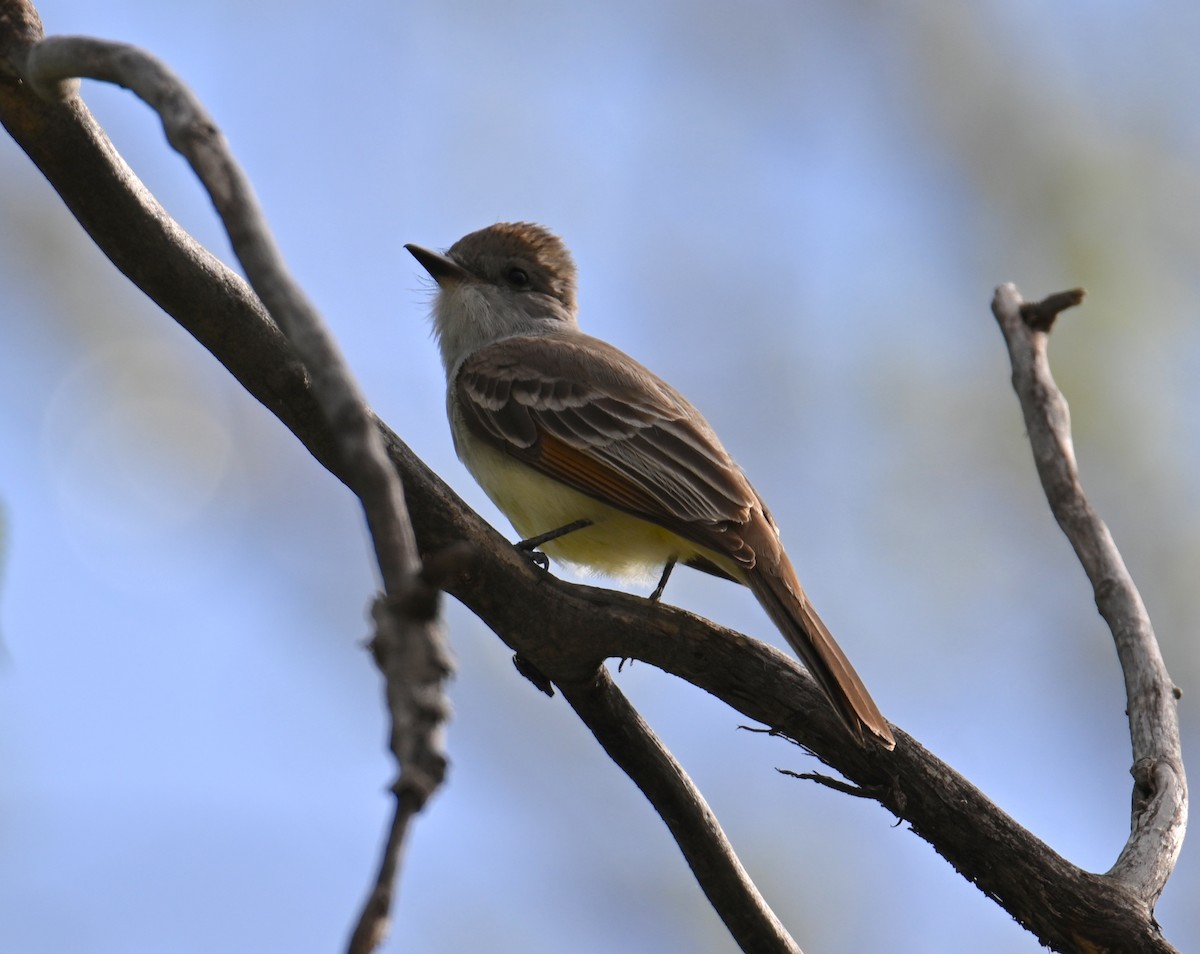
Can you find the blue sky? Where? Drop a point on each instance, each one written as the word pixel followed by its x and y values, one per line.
pixel 796 213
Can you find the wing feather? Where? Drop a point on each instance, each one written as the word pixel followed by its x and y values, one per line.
pixel 584 413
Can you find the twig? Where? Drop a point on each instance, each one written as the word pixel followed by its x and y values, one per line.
pixel 413 680
pixel 846 788
pixel 1160 787
pixel 408 645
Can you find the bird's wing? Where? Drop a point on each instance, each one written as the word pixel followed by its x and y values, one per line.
pixel 584 413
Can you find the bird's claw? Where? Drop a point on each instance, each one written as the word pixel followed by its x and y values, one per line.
pixel 537 557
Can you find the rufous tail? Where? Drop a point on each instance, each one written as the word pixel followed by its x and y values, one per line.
pixel 790 610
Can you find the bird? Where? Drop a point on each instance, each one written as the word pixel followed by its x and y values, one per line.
pixel 595 460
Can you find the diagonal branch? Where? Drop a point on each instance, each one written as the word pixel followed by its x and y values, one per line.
pixel 1160 786
pixel 49 67
pixel 632 744
pixel 408 645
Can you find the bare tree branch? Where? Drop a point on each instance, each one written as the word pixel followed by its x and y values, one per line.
pixel 1160 785
pixel 632 744
pixel 49 67
pixel 409 646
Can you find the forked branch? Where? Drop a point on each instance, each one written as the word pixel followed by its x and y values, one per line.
pixel 1160 787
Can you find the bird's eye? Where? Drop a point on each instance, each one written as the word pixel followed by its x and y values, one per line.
pixel 517 277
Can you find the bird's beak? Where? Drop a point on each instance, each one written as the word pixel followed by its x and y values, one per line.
pixel 445 271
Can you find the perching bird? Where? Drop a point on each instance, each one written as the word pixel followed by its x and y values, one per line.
pixel 595 458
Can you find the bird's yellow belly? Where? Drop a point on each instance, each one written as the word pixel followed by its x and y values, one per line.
pixel 616 544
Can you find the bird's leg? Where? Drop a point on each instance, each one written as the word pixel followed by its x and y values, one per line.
pixel 530 546
pixel 662 582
